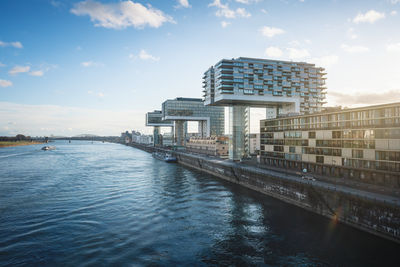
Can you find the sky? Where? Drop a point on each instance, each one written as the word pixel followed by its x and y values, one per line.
pixel 97 66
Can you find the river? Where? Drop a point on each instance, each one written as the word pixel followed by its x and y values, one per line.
pixel 102 204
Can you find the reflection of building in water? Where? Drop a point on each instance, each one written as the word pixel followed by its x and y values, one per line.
pixel 360 143
pixel 181 110
pixel 213 145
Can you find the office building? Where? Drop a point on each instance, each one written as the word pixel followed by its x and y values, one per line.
pixel 154 119
pixel 181 110
pixel 359 143
pixel 287 87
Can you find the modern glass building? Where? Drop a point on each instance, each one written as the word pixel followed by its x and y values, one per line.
pixel 287 87
pixel 360 143
pixel 298 86
pixel 154 119
pixel 180 110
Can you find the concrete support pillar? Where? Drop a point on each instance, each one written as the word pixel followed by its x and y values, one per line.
pixel 202 128
pixel 156 136
pixel 239 124
pixel 180 128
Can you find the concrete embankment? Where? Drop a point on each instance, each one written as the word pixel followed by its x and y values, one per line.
pixel 375 213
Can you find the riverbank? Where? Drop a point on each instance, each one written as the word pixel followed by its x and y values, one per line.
pixel 18 143
pixel 378 214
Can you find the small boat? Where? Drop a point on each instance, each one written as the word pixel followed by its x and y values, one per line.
pixel 167 157
pixel 48 148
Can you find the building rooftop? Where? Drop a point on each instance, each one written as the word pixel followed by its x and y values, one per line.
pixel 335 110
pixel 189 99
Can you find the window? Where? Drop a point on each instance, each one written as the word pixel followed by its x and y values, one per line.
pixel 336 134
pixel 357 154
pixel 311 134
pixel 320 159
pixel 292 149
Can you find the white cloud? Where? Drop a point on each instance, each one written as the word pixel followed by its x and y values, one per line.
pixel 13 44
pixel 273 51
pixel 393 13
pixel 5 83
pixel 295 53
pixel 100 94
pixel 294 43
pixel 87 64
pixel 394 1
pixel 241 12
pixel 36 73
pixel 271 31
pixel 2 65
pixel 183 3
pixel 370 17
pixel 264 11
pixel 393 47
pixel 366 98
pixel 146 56
pixel 351 34
pixel 354 48
pixel 247 2
pixel 225 24
pixel 225 11
pixel 19 69
pixel 326 61
pixel 121 15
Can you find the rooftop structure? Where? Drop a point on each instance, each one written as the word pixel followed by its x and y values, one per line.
pixel 359 143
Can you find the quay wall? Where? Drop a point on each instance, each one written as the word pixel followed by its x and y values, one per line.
pixel 375 216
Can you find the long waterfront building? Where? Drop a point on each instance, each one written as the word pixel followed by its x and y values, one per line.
pixel 359 143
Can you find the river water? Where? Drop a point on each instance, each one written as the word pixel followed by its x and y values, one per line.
pixel 102 204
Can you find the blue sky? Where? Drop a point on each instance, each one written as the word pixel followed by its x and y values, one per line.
pixel 72 67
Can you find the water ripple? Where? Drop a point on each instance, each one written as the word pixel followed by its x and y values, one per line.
pixel 106 204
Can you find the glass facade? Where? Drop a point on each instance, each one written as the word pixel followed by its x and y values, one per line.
pixel 193 109
pixel 248 77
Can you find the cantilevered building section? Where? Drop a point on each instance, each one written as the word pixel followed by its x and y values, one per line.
pixel 286 87
pixel 181 110
pixel 155 119
pixel 298 86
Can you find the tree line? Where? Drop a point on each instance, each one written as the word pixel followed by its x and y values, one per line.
pixel 18 137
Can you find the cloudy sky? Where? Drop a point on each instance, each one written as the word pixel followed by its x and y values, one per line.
pixel 97 66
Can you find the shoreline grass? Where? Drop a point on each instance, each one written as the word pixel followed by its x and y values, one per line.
pixel 18 143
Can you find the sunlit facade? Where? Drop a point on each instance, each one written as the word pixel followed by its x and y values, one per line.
pixel 361 143
pixel 181 110
pixel 213 145
pixel 280 86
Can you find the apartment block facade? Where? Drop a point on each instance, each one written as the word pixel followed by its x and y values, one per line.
pixel 262 81
pixel 213 145
pixel 360 143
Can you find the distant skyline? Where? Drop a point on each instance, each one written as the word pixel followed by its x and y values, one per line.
pixel 96 67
